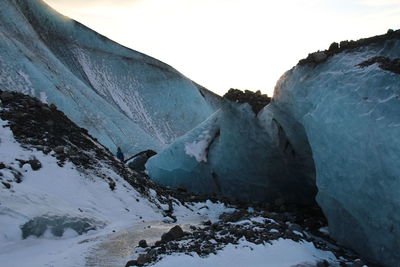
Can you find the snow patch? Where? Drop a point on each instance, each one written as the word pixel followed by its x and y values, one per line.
pixel 198 149
pixel 280 253
pixel 43 97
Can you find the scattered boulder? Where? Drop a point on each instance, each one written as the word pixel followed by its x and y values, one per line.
pixel 143 243
pixel 319 56
pixel 59 149
pixel 207 223
pixel 35 164
pixel 143 259
pixel 334 47
pixel 7 185
pixel 131 263
pixel 173 234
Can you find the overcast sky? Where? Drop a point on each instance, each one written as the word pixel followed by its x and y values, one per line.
pixel 222 44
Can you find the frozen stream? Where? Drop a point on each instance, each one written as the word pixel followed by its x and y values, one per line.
pixel 117 248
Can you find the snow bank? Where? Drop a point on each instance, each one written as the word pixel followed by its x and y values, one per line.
pixel 67 197
pixel 280 253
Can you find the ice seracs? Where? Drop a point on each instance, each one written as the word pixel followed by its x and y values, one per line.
pixel 350 114
pixel 241 155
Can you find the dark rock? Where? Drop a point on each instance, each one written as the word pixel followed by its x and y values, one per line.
pixel 181 189
pixel 17 176
pixel 173 234
pixel 344 44
pixel 323 263
pixel 45 109
pixel 385 63
pixel 207 222
pixel 111 184
pixel 131 263
pixel 59 149
pixel 319 56
pixel 2 165
pixel 143 243
pixel 6 96
pixel 334 46
pixel 357 263
pixel 257 101
pixel 143 259
pixel 35 164
pixel 53 107
pixel 7 185
pixel 152 253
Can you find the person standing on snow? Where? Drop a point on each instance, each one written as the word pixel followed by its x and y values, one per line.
pixel 120 155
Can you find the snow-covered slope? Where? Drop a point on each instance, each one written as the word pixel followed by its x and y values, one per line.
pixel 124 98
pixel 351 116
pixel 56 183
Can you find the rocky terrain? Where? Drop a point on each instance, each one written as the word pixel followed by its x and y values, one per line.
pixel 258 226
pixel 347 46
pixel 255 99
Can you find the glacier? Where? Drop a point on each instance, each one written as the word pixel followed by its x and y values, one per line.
pixel 123 97
pixel 351 117
pixel 240 155
pixel 331 131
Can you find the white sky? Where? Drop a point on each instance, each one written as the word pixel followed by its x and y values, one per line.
pixel 222 44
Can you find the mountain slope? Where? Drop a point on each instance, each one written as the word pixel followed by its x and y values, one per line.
pixel 124 98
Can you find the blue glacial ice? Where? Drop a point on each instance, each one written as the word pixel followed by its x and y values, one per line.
pixel 114 92
pixel 351 116
pixel 239 155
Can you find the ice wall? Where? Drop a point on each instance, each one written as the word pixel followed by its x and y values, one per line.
pixel 239 155
pixel 123 97
pixel 351 116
